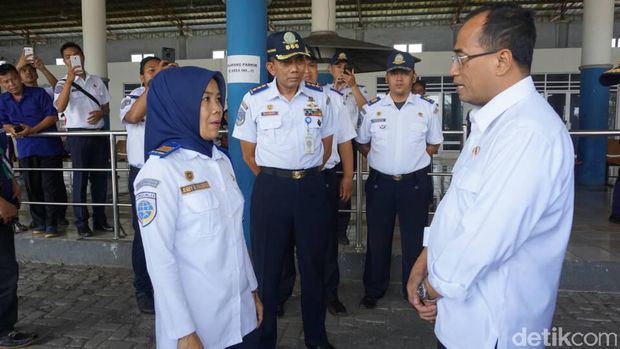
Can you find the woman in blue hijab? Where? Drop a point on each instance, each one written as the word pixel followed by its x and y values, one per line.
pixel 190 209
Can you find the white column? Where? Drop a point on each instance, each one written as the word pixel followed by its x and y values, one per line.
pixel 94 35
pixel 598 25
pixel 324 15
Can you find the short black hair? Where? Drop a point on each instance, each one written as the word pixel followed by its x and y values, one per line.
pixel 420 82
pixel 508 26
pixel 145 60
pixel 67 45
pixel 7 68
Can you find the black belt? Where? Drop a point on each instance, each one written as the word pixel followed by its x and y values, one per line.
pixel 294 174
pixel 398 178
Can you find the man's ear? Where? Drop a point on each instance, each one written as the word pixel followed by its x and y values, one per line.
pixel 504 61
pixel 270 67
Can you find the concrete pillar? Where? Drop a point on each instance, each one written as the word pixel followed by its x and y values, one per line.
pixel 324 15
pixel 94 35
pixel 181 52
pixel 598 22
pixel 246 41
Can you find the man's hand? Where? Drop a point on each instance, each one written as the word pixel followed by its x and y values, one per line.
pixel 259 309
pixel 165 65
pixel 10 129
pixel 346 188
pixel 8 211
pixel 17 191
pixel 95 116
pixel 349 78
pixel 417 275
pixel 71 74
pixel 191 341
pixel 26 131
pixel 37 62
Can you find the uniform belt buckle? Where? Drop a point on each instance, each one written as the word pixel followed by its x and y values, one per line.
pixel 397 178
pixel 298 174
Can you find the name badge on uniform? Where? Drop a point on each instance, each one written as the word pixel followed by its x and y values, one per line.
pixel 193 187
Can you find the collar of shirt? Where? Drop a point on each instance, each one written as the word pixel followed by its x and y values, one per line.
pixel 190 154
pixel 275 93
pixel 389 101
pixel 483 117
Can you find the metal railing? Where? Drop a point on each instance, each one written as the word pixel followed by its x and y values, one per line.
pixel 358 176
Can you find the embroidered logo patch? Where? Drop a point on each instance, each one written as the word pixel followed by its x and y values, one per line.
pixel 147 182
pixel 146 207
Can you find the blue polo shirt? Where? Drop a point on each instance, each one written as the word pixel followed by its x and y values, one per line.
pixel 34 106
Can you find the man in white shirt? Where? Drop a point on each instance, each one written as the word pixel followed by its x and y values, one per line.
pixel 85 100
pixel 495 248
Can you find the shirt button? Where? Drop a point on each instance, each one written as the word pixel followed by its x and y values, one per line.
pixel 416 187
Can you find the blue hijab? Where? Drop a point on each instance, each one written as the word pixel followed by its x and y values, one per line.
pixel 173 108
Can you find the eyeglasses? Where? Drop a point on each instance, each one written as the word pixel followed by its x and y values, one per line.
pixel 463 58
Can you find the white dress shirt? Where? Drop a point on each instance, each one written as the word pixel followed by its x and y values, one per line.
pixel 345 131
pixel 398 138
pixel 135 132
pixel 190 210
pixel 279 127
pixel 497 242
pixel 79 106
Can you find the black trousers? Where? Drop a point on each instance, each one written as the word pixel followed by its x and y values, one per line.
pixel 44 186
pixel 332 272
pixel 615 201
pixel 250 341
pixel 385 198
pixel 89 152
pixel 141 280
pixel 9 275
pixel 284 209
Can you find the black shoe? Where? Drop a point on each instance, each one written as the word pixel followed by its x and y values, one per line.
pixel 63 222
pixel 280 310
pixel 84 232
pixel 326 346
pixel 16 339
pixel 336 308
pixel 146 305
pixel 103 227
pixel 343 240
pixel 19 228
pixel 368 302
pixel 614 219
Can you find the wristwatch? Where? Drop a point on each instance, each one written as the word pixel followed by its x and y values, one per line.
pixel 423 294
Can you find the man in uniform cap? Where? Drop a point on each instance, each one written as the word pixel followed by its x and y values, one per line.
pixel 398 134
pixel 354 96
pixel 285 129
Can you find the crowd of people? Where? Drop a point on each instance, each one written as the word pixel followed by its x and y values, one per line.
pixel 486 267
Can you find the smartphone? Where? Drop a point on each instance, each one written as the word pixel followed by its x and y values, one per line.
pixel 18 128
pixel 76 62
pixel 29 53
pixel 168 54
pixel 348 68
pixel 2 62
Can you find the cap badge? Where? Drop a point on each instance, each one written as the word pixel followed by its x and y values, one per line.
pixel 342 57
pixel 290 41
pixel 399 59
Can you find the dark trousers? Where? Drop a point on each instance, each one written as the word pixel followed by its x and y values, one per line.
pixel 250 341
pixel 284 209
pixel 89 152
pixel 44 186
pixel 615 201
pixel 8 280
pixel 385 198
pixel 332 273
pixel 141 280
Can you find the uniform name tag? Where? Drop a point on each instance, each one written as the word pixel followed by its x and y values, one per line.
pixel 372 121
pixel 196 186
pixel 269 113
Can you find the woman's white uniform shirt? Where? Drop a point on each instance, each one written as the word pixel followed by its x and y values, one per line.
pixel 190 211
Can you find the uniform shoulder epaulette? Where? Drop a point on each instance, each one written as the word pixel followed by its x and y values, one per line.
pixel 164 150
pixel 259 88
pixel 427 99
pixel 315 87
pixel 374 100
pixel 338 92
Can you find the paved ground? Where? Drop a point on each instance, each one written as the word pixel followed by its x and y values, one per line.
pixel 92 307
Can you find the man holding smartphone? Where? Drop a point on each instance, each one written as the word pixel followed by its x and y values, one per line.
pixel 85 100
pixel 26 111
